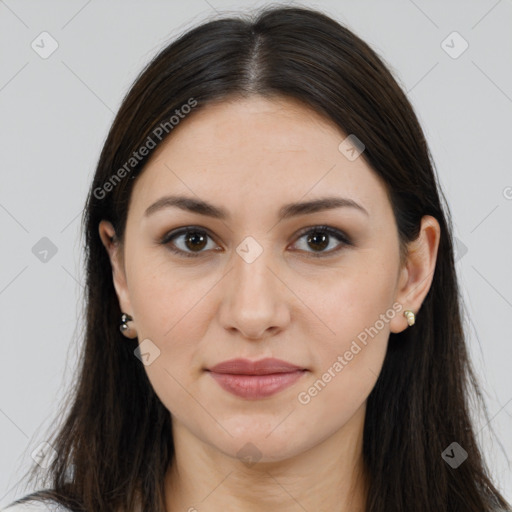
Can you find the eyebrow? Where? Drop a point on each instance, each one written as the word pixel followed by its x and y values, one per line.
pixel 287 211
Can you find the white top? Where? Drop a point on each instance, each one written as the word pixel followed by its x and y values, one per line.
pixel 36 506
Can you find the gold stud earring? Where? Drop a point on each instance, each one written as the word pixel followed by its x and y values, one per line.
pixel 411 318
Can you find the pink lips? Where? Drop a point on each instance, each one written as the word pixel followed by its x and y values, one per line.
pixel 255 379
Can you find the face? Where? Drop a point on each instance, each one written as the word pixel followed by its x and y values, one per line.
pixel 255 285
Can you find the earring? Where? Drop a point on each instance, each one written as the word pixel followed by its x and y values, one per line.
pixel 411 318
pixel 124 327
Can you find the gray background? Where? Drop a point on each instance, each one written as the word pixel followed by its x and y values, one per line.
pixel 55 115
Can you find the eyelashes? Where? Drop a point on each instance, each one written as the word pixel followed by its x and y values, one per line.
pixel 195 234
pixel 325 232
pixel 168 239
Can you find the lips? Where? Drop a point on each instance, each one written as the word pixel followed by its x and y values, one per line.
pixel 255 379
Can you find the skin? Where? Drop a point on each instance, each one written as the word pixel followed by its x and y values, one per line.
pixel 251 156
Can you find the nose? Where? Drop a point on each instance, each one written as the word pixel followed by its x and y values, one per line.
pixel 255 303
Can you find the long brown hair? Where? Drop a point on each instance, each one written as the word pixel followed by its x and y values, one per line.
pixel 115 443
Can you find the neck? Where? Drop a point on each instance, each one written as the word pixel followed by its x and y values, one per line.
pixel 328 476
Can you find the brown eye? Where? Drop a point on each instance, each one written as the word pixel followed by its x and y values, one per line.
pixel 193 241
pixel 318 240
pixel 320 237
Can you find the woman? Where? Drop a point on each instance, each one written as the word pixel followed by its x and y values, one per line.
pixel 273 317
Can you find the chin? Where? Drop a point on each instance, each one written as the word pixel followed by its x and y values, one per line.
pixel 254 445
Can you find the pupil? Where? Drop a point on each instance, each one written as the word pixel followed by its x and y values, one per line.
pixel 315 239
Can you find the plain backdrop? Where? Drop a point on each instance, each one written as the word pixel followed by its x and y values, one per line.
pixel 55 112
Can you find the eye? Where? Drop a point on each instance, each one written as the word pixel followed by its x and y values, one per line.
pixel 195 239
pixel 319 237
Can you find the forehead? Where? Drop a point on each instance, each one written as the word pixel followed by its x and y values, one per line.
pixel 278 124
pixel 257 151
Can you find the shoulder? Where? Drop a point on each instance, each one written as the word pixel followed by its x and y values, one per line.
pixel 36 506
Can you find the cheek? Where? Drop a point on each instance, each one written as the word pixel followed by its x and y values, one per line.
pixel 353 299
pixel 359 326
pixel 350 351
pixel 167 308
pixel 161 295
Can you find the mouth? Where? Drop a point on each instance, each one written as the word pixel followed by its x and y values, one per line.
pixel 256 379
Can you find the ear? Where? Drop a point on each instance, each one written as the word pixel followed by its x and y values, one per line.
pixel 114 249
pixel 418 271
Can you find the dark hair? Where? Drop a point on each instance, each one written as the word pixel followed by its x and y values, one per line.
pixel 115 444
